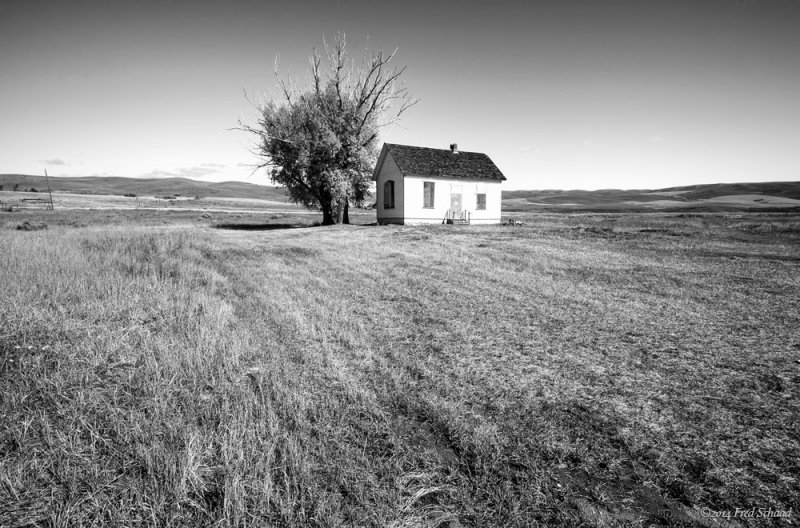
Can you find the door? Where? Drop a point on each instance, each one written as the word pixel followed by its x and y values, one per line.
pixel 455 202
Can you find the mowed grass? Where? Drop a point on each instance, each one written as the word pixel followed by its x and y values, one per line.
pixel 586 370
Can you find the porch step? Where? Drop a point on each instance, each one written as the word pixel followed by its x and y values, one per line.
pixel 457 221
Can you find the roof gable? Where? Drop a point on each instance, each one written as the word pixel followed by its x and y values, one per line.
pixel 442 163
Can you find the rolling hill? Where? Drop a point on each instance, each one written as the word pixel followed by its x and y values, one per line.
pixel 114 185
pixel 720 196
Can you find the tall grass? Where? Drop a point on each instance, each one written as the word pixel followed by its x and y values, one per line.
pixel 124 368
pixel 395 376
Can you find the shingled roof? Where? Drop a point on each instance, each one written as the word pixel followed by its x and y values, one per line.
pixel 443 163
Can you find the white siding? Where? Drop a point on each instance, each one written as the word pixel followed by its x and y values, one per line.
pixel 390 171
pixel 414 193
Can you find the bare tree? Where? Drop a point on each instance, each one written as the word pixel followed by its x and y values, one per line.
pixel 321 142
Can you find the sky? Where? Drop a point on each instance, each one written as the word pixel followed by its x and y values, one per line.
pixel 570 94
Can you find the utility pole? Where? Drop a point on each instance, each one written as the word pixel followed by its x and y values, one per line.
pixel 47 179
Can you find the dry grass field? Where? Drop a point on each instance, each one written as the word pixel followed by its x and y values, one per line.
pixel 579 370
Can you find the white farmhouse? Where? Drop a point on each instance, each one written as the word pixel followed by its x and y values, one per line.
pixel 418 185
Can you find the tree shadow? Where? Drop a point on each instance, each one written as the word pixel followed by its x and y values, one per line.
pixel 259 227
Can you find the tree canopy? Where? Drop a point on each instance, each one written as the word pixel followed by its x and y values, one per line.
pixel 321 142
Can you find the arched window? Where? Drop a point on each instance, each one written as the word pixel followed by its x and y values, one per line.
pixel 388 195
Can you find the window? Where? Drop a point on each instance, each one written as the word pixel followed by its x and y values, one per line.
pixel 481 205
pixel 429 187
pixel 388 195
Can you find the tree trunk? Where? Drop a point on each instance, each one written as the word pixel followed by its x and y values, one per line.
pixel 327 213
pixel 335 210
pixel 339 217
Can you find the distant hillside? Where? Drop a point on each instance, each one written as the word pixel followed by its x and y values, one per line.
pixel 697 192
pixel 144 186
pixel 710 196
pixel 722 196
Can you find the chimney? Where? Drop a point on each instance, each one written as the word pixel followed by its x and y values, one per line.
pixel 454 148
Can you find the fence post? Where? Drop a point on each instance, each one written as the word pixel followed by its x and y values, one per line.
pixel 47 179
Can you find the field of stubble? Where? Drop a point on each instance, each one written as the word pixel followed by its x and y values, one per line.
pixel 585 370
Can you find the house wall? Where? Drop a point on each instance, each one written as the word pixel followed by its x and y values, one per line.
pixel 414 199
pixel 390 171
